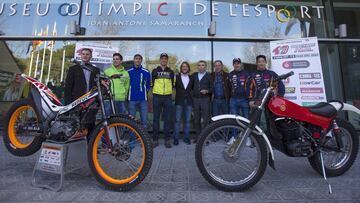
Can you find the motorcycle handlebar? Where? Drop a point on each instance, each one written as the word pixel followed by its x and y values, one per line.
pixel 100 76
pixel 283 77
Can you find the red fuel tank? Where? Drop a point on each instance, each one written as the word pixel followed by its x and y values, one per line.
pixel 284 108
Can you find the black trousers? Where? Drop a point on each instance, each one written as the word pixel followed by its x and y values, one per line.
pixel 201 113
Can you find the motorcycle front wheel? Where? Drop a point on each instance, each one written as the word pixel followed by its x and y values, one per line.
pixel 128 162
pixel 225 172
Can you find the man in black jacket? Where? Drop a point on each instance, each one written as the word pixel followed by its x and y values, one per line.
pixel 221 93
pixel 80 80
pixel 183 102
pixel 202 90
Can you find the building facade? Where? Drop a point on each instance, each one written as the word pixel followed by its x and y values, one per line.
pixel 180 28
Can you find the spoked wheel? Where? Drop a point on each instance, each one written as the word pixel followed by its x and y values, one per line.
pixel 337 162
pixel 224 171
pixel 18 138
pixel 128 162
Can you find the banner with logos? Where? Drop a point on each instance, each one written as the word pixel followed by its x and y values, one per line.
pixel 102 55
pixel 302 56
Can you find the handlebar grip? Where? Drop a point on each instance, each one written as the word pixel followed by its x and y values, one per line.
pixel 117 76
pixel 282 77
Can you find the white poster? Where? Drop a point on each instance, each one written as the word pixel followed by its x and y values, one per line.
pixel 101 54
pixel 306 87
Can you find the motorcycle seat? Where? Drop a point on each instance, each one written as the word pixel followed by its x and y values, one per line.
pixel 323 109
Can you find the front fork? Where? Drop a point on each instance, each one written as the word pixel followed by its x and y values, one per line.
pixel 238 144
pixel 106 124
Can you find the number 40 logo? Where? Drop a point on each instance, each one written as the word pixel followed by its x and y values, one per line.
pixel 281 50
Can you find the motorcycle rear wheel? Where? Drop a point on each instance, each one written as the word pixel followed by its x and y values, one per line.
pixel 18 142
pixel 337 163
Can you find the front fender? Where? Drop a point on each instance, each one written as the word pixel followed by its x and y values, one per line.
pixel 258 129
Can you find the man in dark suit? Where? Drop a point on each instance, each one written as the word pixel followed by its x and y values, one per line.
pixel 79 80
pixel 201 91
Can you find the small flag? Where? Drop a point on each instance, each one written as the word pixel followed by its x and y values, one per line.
pixel 52 43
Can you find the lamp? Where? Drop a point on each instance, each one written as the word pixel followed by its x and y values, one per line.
pixel 212 29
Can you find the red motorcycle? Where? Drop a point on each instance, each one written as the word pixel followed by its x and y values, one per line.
pixel 232 152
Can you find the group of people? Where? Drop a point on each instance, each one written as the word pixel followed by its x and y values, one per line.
pixel 225 93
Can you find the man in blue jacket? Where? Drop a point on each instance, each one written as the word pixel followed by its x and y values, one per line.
pixel 262 78
pixel 239 80
pixel 139 87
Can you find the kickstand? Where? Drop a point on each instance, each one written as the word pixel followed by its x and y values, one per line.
pixel 324 173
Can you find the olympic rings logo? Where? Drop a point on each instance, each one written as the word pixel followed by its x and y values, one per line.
pixel 284 15
pixel 69 9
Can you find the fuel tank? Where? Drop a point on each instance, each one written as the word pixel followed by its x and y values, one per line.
pixel 284 108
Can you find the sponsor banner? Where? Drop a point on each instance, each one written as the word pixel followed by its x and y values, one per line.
pixel 310 83
pixel 290 90
pixel 291 97
pixel 304 76
pixel 308 103
pixel 306 87
pixel 296 64
pixel 312 98
pixel 312 90
pixel 101 54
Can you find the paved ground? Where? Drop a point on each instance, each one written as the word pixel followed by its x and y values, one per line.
pixel 174 177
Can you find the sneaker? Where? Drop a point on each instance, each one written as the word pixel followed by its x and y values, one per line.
pixel 187 141
pixel 102 149
pixel 155 143
pixel 231 141
pixel 176 142
pixel 168 144
pixel 249 143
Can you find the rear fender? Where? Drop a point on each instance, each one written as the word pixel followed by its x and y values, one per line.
pixel 349 107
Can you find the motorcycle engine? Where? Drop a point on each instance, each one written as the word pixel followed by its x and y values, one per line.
pixel 296 138
pixel 63 128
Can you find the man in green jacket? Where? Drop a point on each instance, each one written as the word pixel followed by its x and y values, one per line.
pixel 119 86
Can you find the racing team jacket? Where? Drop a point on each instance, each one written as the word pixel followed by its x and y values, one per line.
pixel 261 80
pixel 239 84
pixel 139 83
pixel 163 81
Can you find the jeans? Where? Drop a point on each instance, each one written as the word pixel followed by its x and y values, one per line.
pixel 120 106
pixel 220 106
pixel 143 110
pixel 162 104
pixel 184 112
pixel 237 105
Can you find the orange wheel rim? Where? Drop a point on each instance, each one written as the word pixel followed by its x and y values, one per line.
pixel 100 170
pixel 12 131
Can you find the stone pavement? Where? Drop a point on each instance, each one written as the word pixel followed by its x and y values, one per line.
pixel 174 177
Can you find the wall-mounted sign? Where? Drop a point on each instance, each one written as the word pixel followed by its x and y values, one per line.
pixel 163 8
